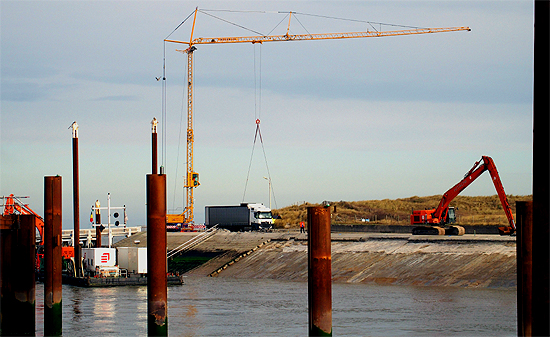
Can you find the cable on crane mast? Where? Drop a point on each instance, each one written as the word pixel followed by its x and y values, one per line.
pixel 163 108
pixel 163 116
pixel 295 15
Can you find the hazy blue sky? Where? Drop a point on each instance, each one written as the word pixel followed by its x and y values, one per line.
pixel 356 119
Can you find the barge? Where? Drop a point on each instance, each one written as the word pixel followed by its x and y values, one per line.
pixel 133 280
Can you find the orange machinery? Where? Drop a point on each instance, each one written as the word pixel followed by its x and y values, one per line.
pixel 444 214
pixel 13 205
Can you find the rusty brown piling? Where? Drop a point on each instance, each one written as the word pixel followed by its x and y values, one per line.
pixel 17 275
pixel 154 144
pixel 97 237
pixel 52 256
pixel 319 272
pixel 157 304
pixel 76 204
pixel 524 255
pixel 541 167
pixel 98 225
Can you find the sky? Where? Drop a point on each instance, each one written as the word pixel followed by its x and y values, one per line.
pixel 354 119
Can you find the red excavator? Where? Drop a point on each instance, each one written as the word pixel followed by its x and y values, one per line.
pixel 434 219
pixel 14 205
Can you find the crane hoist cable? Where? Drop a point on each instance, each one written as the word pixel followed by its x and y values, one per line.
pixel 257 116
pixel 182 112
pixel 258 134
pixel 163 110
pixel 258 84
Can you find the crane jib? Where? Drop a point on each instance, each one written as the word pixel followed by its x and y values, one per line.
pixel 326 36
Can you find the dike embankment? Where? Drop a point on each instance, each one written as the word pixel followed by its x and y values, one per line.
pixel 389 259
pixel 407 229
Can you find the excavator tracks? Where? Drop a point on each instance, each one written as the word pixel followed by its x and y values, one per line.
pixel 455 230
pixel 436 230
pixel 428 230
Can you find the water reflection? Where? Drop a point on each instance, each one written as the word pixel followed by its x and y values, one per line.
pixel 104 304
pixel 230 307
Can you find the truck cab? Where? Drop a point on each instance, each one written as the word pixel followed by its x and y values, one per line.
pixel 260 217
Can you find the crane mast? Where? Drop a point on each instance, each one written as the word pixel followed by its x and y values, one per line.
pixel 191 179
pixel 190 202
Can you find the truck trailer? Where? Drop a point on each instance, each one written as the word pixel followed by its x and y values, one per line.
pixel 244 217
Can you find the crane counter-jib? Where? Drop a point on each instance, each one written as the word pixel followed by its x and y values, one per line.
pixel 326 36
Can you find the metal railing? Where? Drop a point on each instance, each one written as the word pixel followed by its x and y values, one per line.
pixel 193 242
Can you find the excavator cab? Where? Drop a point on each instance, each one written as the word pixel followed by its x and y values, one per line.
pixel 451 215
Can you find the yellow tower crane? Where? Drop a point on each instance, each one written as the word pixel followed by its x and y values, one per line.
pixel 192 178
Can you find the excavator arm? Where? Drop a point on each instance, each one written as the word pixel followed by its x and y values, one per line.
pixel 469 177
pixel 13 205
pixel 502 195
pixel 473 174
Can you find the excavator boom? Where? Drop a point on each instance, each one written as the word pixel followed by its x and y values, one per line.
pixel 13 205
pixel 469 177
pixel 502 196
pixel 439 215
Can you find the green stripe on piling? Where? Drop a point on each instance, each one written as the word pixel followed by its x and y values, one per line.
pixel 156 328
pixel 53 320
pixel 316 331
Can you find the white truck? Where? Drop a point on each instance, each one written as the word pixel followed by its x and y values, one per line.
pixel 239 218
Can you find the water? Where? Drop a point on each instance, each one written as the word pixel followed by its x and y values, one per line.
pixel 231 307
